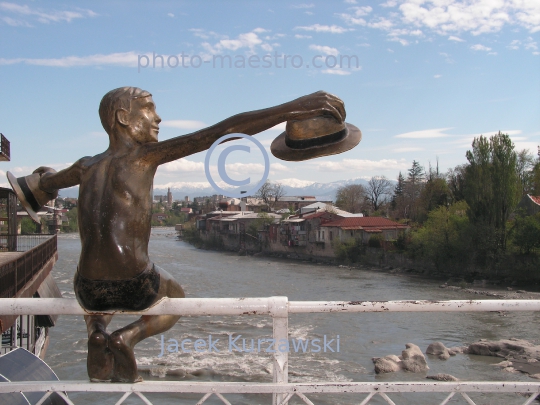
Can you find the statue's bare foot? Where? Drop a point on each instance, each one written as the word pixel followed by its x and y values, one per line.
pixel 125 365
pixel 100 361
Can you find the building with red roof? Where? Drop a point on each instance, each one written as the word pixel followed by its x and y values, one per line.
pixel 360 228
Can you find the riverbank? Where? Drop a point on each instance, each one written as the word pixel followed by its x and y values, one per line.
pixel 502 288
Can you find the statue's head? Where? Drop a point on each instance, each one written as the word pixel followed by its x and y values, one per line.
pixel 116 106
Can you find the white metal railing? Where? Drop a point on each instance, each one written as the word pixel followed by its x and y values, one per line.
pixel 279 308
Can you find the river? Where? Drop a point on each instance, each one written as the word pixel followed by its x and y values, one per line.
pixel 361 336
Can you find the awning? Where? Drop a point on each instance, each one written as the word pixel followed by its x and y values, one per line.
pixel 21 365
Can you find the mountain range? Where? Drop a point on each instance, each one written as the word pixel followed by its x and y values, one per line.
pixel 292 187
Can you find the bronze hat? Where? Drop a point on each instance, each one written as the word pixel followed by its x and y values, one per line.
pixel 315 137
pixel 32 198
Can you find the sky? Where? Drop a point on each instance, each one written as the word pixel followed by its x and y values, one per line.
pixel 419 78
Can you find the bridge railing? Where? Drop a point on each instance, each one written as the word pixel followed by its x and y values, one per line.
pixel 279 309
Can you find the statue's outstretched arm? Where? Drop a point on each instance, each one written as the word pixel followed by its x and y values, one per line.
pixel 51 180
pixel 249 123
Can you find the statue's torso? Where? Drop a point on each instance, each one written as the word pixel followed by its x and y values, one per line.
pixel 115 208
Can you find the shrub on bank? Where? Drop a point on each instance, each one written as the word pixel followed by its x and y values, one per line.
pixel 349 252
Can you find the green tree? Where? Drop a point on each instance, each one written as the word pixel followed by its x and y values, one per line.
pixel 445 237
pixel 492 188
pixel 397 203
pixel 412 190
pixel 73 219
pixel 526 233
pixel 28 226
pixel 525 165
pixel 535 176
pixel 455 179
pixel 194 206
pixel 435 193
pixel 263 220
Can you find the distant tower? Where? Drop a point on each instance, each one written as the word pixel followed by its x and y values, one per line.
pixel 169 197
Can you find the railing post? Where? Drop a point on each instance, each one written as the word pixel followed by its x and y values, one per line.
pixel 279 309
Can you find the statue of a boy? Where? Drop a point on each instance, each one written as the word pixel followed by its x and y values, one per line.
pixel 115 208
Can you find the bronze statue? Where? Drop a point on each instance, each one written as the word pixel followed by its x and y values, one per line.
pixel 115 205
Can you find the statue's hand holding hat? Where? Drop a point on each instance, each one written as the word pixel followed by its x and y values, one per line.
pixel 315 137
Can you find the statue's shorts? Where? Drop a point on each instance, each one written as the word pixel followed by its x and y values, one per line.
pixel 133 294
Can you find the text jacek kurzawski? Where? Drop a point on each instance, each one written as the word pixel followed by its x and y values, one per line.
pixel 248 345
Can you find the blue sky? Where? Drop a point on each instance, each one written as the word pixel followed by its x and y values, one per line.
pixel 426 77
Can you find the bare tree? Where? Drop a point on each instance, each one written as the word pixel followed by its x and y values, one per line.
pixel 351 198
pixel 270 193
pixel 377 189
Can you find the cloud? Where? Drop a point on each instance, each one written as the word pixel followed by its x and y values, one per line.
pixel 450 17
pixel 279 167
pixel 360 164
pixel 437 76
pixel 447 57
pixel 279 127
pixel 20 171
pixel 299 36
pixel 182 165
pixel 531 45
pixel 243 168
pixel 406 149
pixel 302 5
pixel 477 17
pixel 424 134
pixel 381 23
pixel 479 47
pixel 116 59
pixel 183 124
pixel 42 16
pixel 327 50
pixel 248 41
pixel 15 23
pixel 514 45
pixel 170 15
pixel 337 71
pixel 332 29
pixel 465 141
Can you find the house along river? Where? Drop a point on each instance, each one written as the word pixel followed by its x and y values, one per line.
pixel 361 336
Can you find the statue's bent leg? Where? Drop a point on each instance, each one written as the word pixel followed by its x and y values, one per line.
pixel 122 341
pixel 100 360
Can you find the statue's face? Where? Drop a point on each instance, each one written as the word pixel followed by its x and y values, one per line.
pixel 144 120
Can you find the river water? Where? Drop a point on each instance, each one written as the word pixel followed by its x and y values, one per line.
pixel 361 336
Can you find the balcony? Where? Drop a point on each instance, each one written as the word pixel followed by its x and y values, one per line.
pixel 5 153
pixel 25 265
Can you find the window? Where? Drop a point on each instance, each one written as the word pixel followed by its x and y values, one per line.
pixel 331 235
